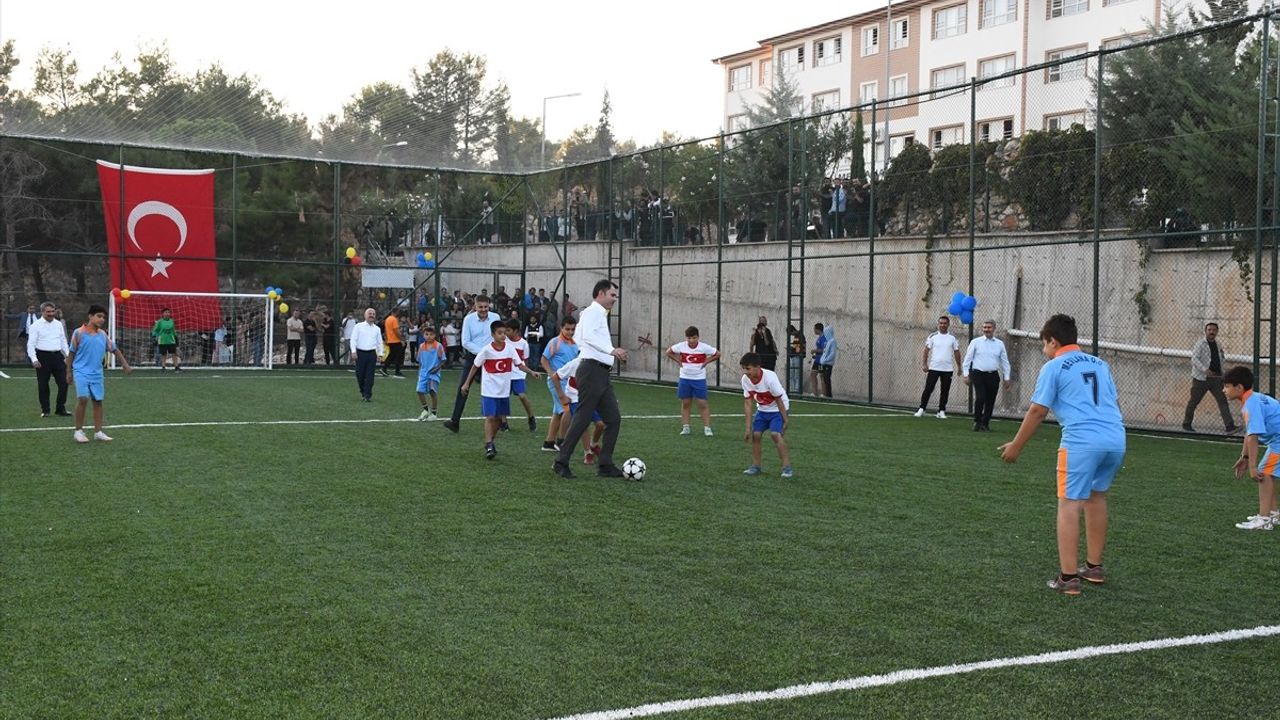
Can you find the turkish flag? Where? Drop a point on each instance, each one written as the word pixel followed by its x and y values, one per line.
pixel 160 225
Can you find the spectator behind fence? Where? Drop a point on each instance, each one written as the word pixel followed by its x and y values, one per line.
pixel 763 345
pixel 1206 377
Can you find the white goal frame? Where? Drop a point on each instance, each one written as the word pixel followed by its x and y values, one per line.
pixel 269 328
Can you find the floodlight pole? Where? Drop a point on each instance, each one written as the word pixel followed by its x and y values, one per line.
pixel 542 158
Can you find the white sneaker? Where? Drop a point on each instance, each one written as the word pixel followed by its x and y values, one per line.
pixel 706 430
pixel 102 436
pixel 81 437
pixel 433 417
pixel 1256 522
pixel 942 414
pixel 919 413
pixel 1275 517
pixel 424 415
pixel 684 430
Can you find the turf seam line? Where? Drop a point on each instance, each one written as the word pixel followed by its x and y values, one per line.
pixel 901 676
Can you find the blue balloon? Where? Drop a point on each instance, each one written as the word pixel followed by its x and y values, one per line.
pixel 954 308
pixel 966 317
pixel 430 264
pixel 421 257
pixel 268 290
pixel 422 262
pixel 969 303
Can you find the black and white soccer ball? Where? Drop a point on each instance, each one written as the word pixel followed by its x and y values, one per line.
pixel 633 469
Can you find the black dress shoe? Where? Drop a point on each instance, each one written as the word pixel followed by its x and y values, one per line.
pixel 612 471
pixel 450 425
pixel 562 470
pixel 62 413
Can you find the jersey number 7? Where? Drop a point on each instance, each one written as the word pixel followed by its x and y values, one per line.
pixel 1091 379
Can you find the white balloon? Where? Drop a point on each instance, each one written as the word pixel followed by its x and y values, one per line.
pixel 155 207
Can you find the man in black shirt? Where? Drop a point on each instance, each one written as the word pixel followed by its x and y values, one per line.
pixel 1206 377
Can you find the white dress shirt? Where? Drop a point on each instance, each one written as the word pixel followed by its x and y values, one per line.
pixel 366 336
pixel 987 356
pixel 592 335
pixel 47 336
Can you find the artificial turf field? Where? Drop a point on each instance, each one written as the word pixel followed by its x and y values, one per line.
pixel 263 545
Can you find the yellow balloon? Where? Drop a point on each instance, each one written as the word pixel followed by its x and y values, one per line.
pixel 382 296
pixel 426 256
pixel 351 252
pixel 124 294
pixel 284 307
pixel 273 295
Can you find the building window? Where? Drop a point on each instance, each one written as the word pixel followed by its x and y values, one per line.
pixel 792 59
pixel 796 107
pixel 1063 121
pixel 1124 41
pixel 825 101
pixel 994 67
pixel 947 77
pixel 997 12
pixel 950 21
pixel 897 89
pixel 870 40
pixel 740 78
pixel 993 130
pixel 738 123
pixel 1067 70
pixel 827 52
pixel 942 137
pixel 766 73
pixel 867 92
pixel 898 142
pixel 1062 8
pixel 900 35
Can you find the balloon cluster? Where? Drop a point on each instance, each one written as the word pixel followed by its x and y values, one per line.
pixel 352 257
pixel 962 306
pixel 425 261
pixel 119 294
pixel 274 293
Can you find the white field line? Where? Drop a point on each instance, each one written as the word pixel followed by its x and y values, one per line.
pixel 901 676
pixel 367 421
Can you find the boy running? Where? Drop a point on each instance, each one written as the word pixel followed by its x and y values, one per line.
pixel 87 356
pixel 693 357
pixel 1079 390
pixel 772 406
pixel 498 358
pixel 555 355
pixel 517 378
pixel 1261 427
pixel 430 360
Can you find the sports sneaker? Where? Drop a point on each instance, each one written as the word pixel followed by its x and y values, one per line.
pixel 433 417
pixel 504 427
pixel 490 451
pixel 549 447
pixel 596 450
pixel 787 472
pixel 533 424
pixel 562 470
pixel 942 415
pixel 102 436
pixel 589 458
pixel 753 470
pixel 706 430
pixel 424 415
pixel 1275 516
pixel 685 430
pixel 1066 587
pixel 1257 522
pixel 81 437
pixel 1095 575
pixel 918 413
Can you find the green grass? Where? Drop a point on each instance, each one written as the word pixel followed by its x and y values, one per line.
pixel 385 569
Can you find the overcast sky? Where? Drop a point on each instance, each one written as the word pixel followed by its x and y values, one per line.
pixel 653 57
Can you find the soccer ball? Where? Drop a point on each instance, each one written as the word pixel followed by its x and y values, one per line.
pixel 633 469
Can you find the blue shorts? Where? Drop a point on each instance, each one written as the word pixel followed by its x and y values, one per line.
pixel 91 387
pixel 428 383
pixel 771 421
pixel 595 414
pixel 495 407
pixel 555 399
pixel 517 387
pixel 696 389
pixel 1083 472
pixel 1269 464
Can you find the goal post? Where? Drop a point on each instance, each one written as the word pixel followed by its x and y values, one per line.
pixel 215 330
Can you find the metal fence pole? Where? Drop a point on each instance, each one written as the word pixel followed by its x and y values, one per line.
pixel 872 227
pixel 1097 207
pixel 721 238
pixel 973 200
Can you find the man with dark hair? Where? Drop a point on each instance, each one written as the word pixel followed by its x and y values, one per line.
pixel 47 349
pixel 1206 377
pixel 476 333
pixel 595 391
pixel 940 360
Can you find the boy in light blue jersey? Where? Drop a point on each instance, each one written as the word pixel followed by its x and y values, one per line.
pixel 89 347
pixel 1261 427
pixel 430 359
pixel 1078 388
pixel 557 353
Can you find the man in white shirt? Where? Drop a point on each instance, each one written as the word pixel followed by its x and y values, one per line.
pixel 366 341
pixel 940 360
pixel 47 349
pixel 475 335
pixel 595 390
pixel 987 363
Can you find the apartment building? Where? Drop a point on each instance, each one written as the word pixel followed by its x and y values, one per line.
pixel 938 46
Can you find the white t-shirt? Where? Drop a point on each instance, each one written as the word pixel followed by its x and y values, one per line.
pixel 693 359
pixel 522 350
pixel 942 351
pixel 495 381
pixel 450 335
pixel 766 392
pixel 568 380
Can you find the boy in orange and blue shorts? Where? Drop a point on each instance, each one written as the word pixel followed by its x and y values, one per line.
pixel 1261 427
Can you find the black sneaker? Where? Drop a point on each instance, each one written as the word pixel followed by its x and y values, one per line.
pixel 562 469
pixel 533 424
pixel 612 471
pixel 490 451
pixel 177 370
pixel 550 447
pixel 62 413
pixel 450 425
pixel 504 427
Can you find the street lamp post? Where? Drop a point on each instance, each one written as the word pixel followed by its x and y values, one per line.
pixel 542 160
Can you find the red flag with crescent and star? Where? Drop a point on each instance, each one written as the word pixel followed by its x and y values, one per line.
pixel 160 226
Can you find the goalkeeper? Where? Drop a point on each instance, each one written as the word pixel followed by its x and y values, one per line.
pixel 165 333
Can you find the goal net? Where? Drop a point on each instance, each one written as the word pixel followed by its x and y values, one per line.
pixel 224 330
